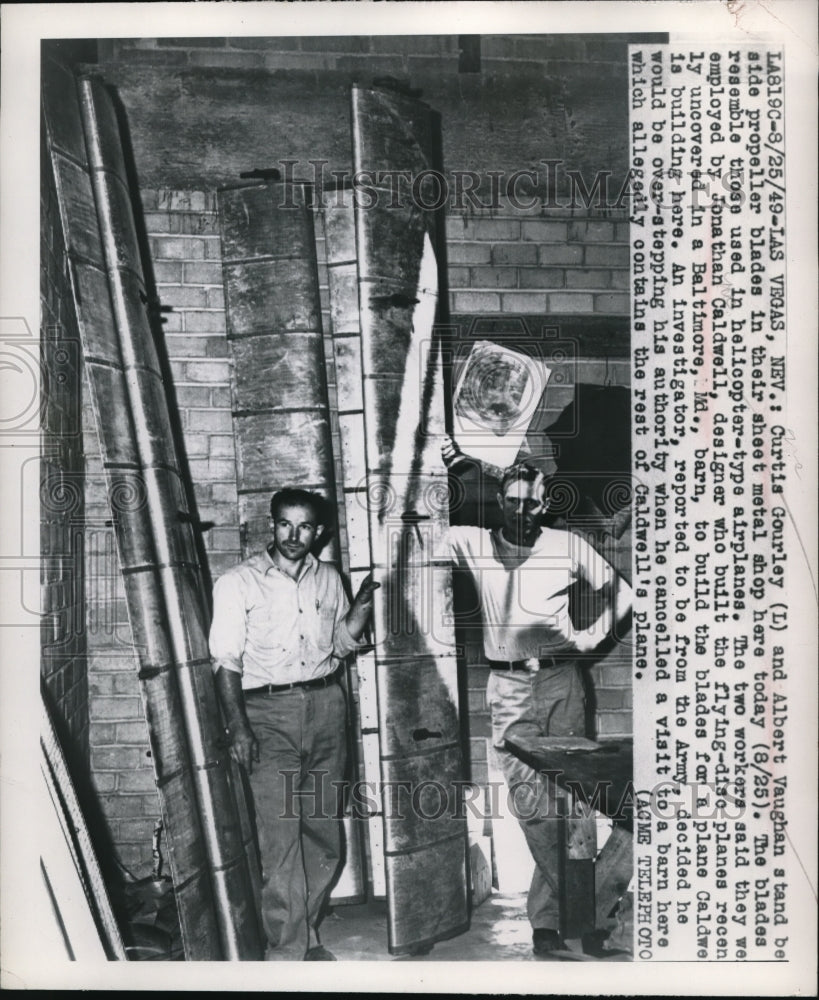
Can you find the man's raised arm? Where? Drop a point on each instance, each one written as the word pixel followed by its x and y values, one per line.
pixel 453 458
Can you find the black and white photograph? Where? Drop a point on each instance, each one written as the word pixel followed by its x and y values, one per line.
pixel 409 478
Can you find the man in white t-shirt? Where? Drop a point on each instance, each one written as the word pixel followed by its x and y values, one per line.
pixel 523 574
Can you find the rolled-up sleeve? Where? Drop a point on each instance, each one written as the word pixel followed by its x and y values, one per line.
pixel 228 628
pixel 343 642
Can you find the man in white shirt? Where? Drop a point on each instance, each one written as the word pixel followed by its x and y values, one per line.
pixel 281 623
pixel 523 573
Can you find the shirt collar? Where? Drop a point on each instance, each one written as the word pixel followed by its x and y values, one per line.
pixel 519 550
pixel 310 563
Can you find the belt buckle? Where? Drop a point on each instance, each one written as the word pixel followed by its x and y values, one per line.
pixel 532 664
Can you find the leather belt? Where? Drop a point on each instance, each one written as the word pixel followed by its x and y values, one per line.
pixel 316 682
pixel 533 664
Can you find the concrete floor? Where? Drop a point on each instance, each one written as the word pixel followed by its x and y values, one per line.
pixel 499 931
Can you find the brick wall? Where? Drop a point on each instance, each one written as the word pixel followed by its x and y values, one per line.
pixel 121 768
pixel 182 231
pixel 201 110
pixel 498 54
pixel 62 513
pixel 548 261
pixel 375 54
